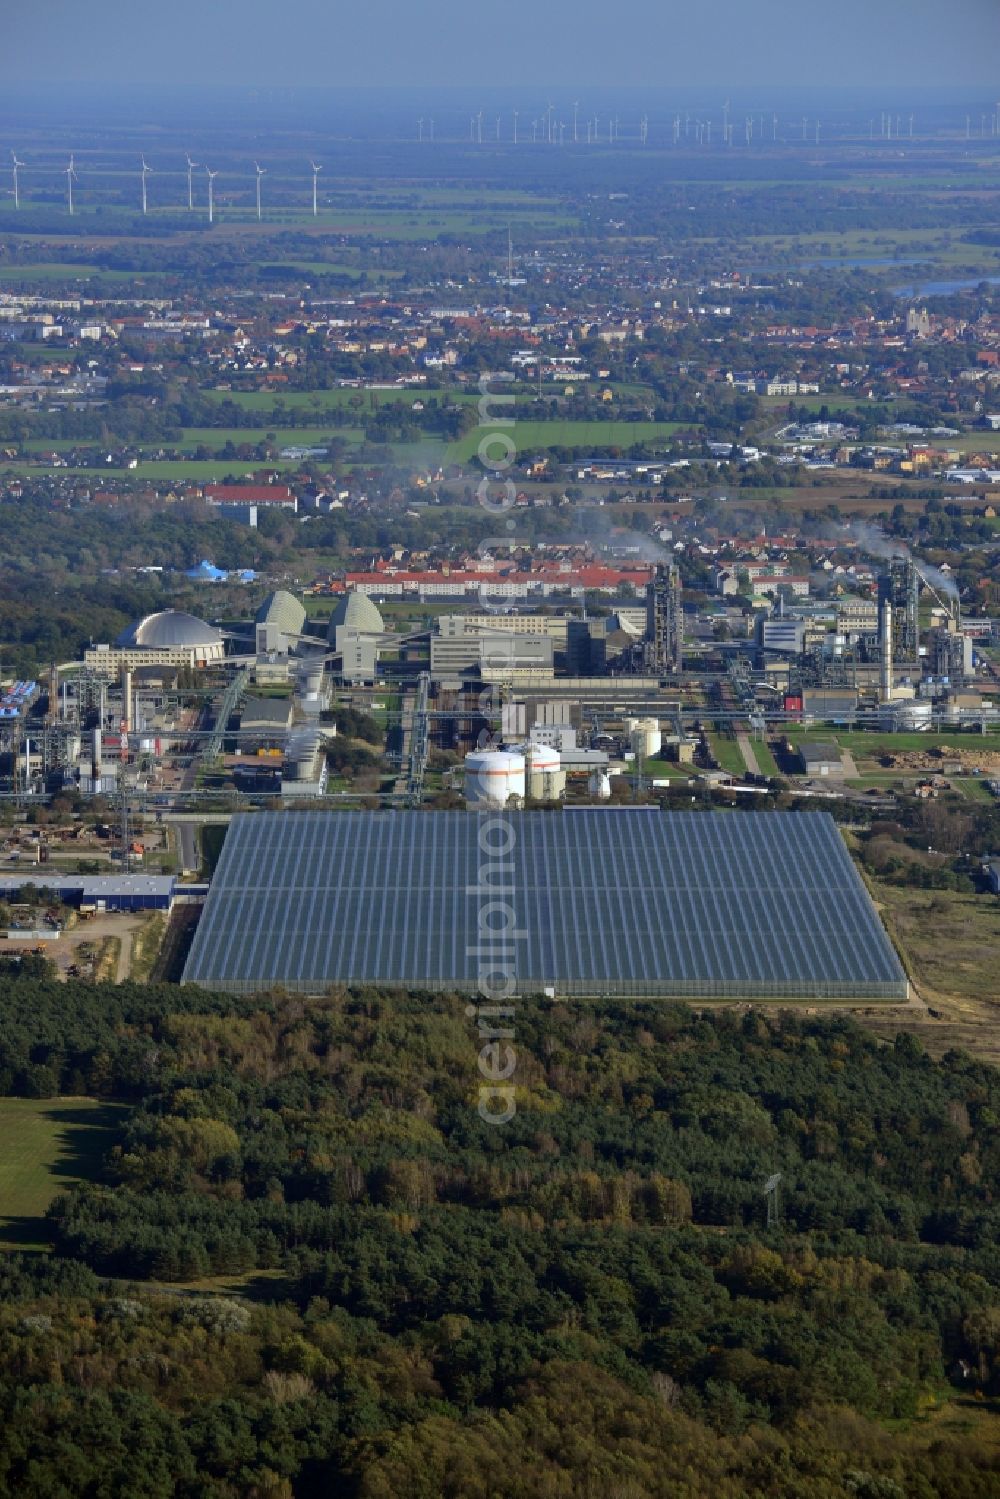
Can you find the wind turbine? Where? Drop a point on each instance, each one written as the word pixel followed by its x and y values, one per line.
pixel 420 128
pixel 576 106
pixel 211 194
pixel 17 198
pixel 261 172
pixel 70 175
pixel 316 169
pixel 515 126
pixel 191 167
pixel 145 173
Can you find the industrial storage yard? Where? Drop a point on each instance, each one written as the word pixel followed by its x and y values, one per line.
pixel 595 901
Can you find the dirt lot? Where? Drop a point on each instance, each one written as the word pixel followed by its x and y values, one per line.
pixel 104 943
pixel 949 944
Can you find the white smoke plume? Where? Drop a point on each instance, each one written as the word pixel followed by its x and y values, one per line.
pixel 877 544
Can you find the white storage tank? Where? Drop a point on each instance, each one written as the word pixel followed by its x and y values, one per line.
pixel 493 778
pixel 906 715
pixel 546 779
pixel 541 757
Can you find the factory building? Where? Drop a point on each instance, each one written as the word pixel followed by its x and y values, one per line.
pixel 820 758
pixel 951 654
pixel 305 771
pixel 100 892
pixel 781 635
pixel 664 620
pixel 168 638
pixel 586 647
pixel 899 594
pixel 496 655
pixel 553 625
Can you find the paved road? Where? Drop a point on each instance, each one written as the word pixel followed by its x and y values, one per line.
pixel 749 756
pixel 187 846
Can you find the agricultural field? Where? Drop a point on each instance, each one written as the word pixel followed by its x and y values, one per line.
pixel 980 441
pixel 318 268
pixel 171 470
pixel 291 437
pixel 531 435
pixel 49 1144
pixel 11 275
pixel 900 249
pixel 363 398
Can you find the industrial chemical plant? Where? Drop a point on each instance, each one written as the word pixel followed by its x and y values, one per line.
pixel 527 703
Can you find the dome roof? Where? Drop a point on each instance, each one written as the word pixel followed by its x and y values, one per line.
pixel 284 610
pixel 170 629
pixel 355 611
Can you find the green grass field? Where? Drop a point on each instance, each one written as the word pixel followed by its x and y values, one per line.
pixel 47 1145
pixel 765 759
pixel 727 753
pixel 869 745
pixel 529 435
pixel 667 770
pixel 169 470
pixel 284 437
pixel 368 400
pixel 68 271
pixel 329 268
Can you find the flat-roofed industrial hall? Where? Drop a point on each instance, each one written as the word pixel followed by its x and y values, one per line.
pixel 593 901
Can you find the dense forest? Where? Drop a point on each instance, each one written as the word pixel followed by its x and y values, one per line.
pixel 587 1300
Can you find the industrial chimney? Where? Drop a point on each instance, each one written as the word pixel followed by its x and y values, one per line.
pixel 885 652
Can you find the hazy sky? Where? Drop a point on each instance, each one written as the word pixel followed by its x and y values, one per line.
pixel 738 44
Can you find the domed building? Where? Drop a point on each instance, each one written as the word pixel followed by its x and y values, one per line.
pixel 354 612
pixel 278 623
pixel 168 638
pixel 354 631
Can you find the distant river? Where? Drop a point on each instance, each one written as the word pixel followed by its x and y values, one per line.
pixel 943 288
pixel 850 263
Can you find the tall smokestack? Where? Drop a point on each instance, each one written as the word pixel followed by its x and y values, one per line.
pixel 95 757
pixel 126 722
pixel 885 653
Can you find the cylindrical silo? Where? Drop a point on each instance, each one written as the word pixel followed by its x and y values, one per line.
pixel 494 777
